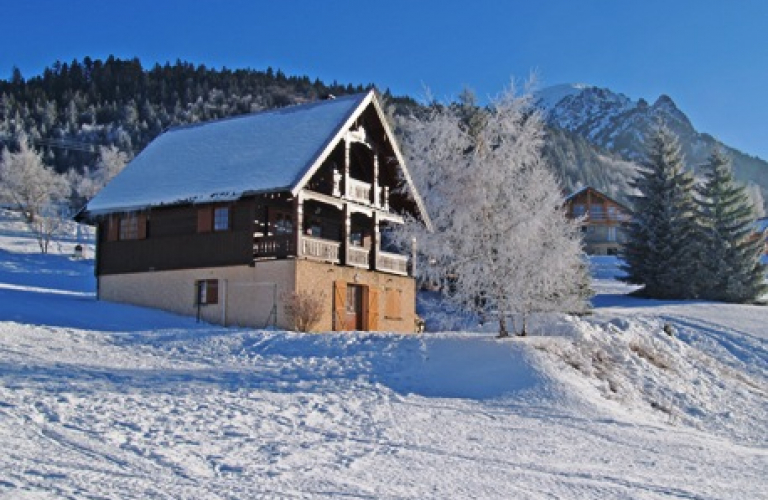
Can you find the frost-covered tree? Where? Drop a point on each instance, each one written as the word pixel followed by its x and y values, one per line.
pixel 85 186
pixel 27 182
pixel 659 252
pixel 729 267
pixel 501 240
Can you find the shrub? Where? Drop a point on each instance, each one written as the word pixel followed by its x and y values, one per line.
pixel 304 309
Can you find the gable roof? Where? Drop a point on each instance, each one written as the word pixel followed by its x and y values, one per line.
pixel 584 189
pixel 225 159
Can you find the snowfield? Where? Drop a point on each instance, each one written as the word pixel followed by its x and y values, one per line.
pixel 101 400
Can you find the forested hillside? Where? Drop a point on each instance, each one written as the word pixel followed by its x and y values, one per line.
pixel 72 108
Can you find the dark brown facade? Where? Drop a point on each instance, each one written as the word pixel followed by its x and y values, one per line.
pixel 171 238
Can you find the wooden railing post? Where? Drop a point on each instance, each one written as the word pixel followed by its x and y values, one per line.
pixel 375 189
pixel 376 243
pixel 345 233
pixel 347 147
pixel 298 226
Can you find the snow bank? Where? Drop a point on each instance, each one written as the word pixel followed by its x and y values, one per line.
pixel 102 400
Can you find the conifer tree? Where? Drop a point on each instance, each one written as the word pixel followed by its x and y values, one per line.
pixel 729 259
pixel 659 253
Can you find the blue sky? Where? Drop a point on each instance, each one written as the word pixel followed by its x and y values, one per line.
pixel 710 56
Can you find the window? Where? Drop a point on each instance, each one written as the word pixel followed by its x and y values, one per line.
pixel 127 227
pixel 283 224
pixel 221 219
pixel 207 291
pixel 356 239
pixel 315 228
pixel 212 219
pixel 611 234
pixel 578 210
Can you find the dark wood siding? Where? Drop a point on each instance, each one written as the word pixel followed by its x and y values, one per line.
pixel 173 242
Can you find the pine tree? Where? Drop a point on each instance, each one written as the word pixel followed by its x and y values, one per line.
pixel 729 259
pixel 659 253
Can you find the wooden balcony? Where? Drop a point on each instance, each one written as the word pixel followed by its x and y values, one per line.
pixel 320 249
pixel 358 257
pixel 359 191
pixel 392 263
pixel 278 246
pixel 282 246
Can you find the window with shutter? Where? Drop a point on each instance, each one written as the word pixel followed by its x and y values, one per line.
pixel 372 309
pixel 207 291
pixel 113 227
pixel 221 219
pixel 204 219
pixel 393 297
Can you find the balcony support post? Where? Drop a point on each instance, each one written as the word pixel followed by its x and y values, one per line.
pixel 346 230
pixel 376 242
pixel 298 225
pixel 375 189
pixel 347 147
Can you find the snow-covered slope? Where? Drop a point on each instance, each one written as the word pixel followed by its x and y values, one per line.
pixel 107 401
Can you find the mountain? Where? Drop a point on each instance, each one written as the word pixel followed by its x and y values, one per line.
pixel 619 125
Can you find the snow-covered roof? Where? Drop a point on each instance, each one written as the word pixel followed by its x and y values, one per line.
pixel 223 160
pixel 576 193
pixel 599 193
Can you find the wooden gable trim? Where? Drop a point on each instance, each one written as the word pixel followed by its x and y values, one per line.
pixel 320 159
pixel 590 191
pixel 401 162
pixel 338 136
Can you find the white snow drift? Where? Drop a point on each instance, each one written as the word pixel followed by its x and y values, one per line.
pixel 101 400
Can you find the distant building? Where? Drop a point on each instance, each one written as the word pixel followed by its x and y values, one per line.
pixel 761 231
pixel 223 219
pixel 604 220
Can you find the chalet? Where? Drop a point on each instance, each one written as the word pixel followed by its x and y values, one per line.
pixel 604 220
pixel 760 232
pixel 221 219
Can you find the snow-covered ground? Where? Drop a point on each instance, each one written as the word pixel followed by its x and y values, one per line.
pixel 102 401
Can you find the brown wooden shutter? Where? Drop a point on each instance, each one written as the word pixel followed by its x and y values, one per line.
pixel 141 230
pixel 204 219
pixel 113 227
pixel 339 305
pixel 393 299
pixel 212 292
pixel 372 309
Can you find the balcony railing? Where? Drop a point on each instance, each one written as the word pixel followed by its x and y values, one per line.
pixel 320 249
pixel 392 263
pixel 358 256
pixel 359 191
pixel 280 246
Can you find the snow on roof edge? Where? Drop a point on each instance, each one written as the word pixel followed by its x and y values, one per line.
pixel 326 132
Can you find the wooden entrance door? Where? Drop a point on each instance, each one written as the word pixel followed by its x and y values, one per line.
pixel 354 307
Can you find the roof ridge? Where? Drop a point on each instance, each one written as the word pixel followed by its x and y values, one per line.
pixel 292 107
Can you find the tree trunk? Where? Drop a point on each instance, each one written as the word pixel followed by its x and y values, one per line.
pixel 524 331
pixel 503 333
